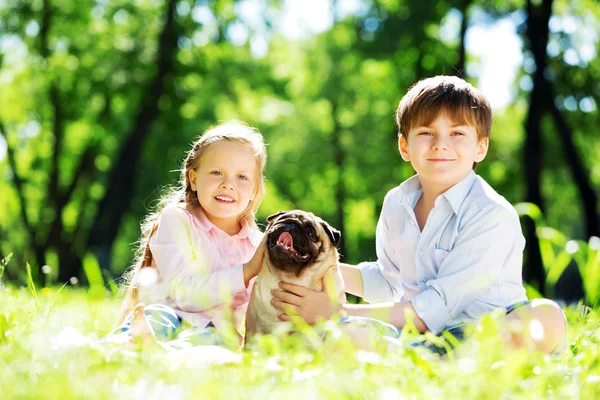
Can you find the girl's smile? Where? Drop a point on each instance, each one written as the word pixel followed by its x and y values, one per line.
pixel 224 199
pixel 225 183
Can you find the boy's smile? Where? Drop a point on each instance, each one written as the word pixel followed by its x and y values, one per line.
pixel 443 151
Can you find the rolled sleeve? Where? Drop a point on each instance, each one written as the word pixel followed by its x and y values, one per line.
pixel 484 249
pixel 431 308
pixel 376 288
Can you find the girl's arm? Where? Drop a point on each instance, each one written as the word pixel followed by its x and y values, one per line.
pixel 252 267
pixel 185 270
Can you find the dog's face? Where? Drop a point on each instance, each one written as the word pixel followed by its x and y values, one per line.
pixel 299 241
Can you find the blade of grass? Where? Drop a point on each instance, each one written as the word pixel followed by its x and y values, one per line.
pixel 31 287
pixel 556 270
pixel 61 288
pixel 111 283
pixel 532 292
pixel 532 211
pixel 94 275
pixel 3 263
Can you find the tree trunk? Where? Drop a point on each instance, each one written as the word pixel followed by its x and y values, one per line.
pixel 340 189
pixel 537 34
pixel 459 68
pixel 580 175
pixel 120 186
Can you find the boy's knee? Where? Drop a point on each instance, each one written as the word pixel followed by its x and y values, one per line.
pixel 553 324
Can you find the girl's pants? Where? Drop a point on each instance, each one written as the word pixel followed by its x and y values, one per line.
pixel 169 329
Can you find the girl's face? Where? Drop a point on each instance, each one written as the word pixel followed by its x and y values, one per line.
pixel 225 183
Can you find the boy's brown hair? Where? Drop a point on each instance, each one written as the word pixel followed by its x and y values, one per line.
pixel 429 97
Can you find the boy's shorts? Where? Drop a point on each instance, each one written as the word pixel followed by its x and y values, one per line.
pixel 386 329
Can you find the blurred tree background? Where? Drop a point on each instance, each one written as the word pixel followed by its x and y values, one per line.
pixel 100 100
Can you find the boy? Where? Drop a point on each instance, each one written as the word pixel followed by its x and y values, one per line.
pixel 449 247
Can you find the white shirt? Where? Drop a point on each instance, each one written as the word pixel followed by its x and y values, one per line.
pixel 466 262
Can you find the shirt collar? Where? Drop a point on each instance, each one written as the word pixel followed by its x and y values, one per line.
pixel 253 235
pixel 411 191
pixel 457 194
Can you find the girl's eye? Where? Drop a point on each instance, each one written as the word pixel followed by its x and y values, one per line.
pixel 215 173
pixel 426 133
pixel 243 177
pixel 458 133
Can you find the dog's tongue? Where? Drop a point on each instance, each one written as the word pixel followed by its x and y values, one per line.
pixel 287 240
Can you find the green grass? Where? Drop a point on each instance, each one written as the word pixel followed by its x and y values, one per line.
pixel 40 359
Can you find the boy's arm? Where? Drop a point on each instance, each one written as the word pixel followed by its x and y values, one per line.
pixel 490 244
pixel 312 305
pixel 381 281
pixel 353 281
pixel 396 314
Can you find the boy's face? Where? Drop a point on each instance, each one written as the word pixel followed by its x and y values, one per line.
pixel 443 152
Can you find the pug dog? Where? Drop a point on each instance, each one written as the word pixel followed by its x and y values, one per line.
pixel 301 249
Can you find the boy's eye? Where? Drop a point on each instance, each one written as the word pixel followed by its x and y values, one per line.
pixel 457 133
pixel 215 173
pixel 426 133
pixel 243 177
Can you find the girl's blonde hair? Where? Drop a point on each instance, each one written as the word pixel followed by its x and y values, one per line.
pixel 183 194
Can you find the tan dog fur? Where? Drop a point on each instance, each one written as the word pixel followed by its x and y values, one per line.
pixel 261 316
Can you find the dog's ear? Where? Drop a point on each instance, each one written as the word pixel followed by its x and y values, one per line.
pixel 273 217
pixel 334 234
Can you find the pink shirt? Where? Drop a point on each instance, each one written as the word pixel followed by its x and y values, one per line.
pixel 200 268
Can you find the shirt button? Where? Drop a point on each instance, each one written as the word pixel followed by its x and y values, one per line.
pixel 423 280
pixel 421 252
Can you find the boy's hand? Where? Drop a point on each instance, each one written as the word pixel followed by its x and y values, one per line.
pixel 309 304
pixel 252 267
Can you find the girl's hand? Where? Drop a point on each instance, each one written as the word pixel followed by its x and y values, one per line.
pixel 252 267
pixel 309 304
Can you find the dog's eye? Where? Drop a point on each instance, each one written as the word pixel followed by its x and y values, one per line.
pixel 312 234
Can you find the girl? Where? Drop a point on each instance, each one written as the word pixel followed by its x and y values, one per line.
pixel 201 249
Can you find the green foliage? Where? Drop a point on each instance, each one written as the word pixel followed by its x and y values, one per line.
pixel 94 276
pixel 59 354
pixel 558 252
pixel 3 264
pixel 71 96
pixel 31 287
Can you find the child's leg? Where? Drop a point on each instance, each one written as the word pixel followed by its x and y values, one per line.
pixel 141 334
pixel 365 333
pixel 161 320
pixel 139 325
pixel 208 336
pixel 540 324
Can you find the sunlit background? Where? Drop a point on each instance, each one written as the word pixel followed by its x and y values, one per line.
pixel 100 100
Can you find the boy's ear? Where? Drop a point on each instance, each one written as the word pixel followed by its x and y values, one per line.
pixel 192 177
pixel 403 147
pixel 482 149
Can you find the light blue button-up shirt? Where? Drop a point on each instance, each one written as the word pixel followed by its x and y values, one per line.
pixel 466 262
